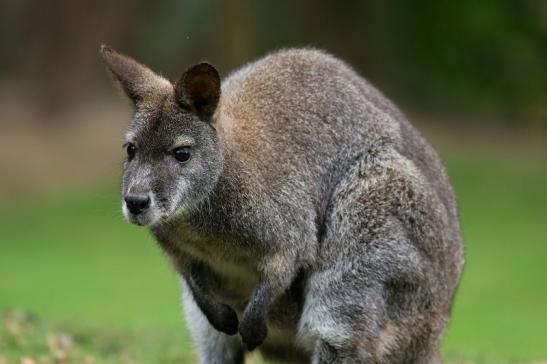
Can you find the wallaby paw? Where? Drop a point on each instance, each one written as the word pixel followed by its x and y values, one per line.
pixel 226 320
pixel 253 332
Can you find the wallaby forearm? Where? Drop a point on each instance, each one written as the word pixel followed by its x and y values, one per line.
pixel 221 316
pixel 276 275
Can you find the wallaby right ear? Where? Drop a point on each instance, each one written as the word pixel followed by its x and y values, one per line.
pixel 136 80
pixel 198 89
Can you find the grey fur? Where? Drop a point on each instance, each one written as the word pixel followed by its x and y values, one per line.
pixel 310 208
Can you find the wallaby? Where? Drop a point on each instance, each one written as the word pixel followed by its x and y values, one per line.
pixel 300 207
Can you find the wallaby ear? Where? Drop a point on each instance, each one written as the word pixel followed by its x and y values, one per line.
pixel 136 80
pixel 198 89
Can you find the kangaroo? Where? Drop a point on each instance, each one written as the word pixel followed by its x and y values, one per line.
pixel 306 216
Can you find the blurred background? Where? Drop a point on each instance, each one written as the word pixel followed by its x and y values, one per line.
pixel 77 282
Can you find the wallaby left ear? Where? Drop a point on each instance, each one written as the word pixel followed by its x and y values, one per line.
pixel 137 80
pixel 198 89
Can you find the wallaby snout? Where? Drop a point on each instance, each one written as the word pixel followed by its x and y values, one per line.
pixel 137 203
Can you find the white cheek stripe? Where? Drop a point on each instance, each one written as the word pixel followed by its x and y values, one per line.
pixel 129 137
pixel 181 187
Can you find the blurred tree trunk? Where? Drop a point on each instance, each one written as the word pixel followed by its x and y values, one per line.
pixel 57 52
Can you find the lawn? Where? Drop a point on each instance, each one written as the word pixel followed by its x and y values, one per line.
pixel 76 280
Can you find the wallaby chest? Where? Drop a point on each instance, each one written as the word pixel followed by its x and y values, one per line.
pixel 226 266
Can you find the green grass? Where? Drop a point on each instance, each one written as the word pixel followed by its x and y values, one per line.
pixel 27 336
pixel 80 269
pixel 501 308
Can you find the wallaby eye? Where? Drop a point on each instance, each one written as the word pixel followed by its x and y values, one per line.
pixel 182 154
pixel 131 149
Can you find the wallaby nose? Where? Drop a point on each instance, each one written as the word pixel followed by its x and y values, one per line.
pixel 137 203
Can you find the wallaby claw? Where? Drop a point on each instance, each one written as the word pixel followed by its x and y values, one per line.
pixel 253 332
pixel 225 320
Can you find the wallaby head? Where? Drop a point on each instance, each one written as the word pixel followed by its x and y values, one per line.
pixel 173 154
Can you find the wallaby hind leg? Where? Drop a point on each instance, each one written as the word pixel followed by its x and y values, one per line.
pixel 341 317
pixel 372 298
pixel 346 319
pixel 214 347
pixel 324 353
